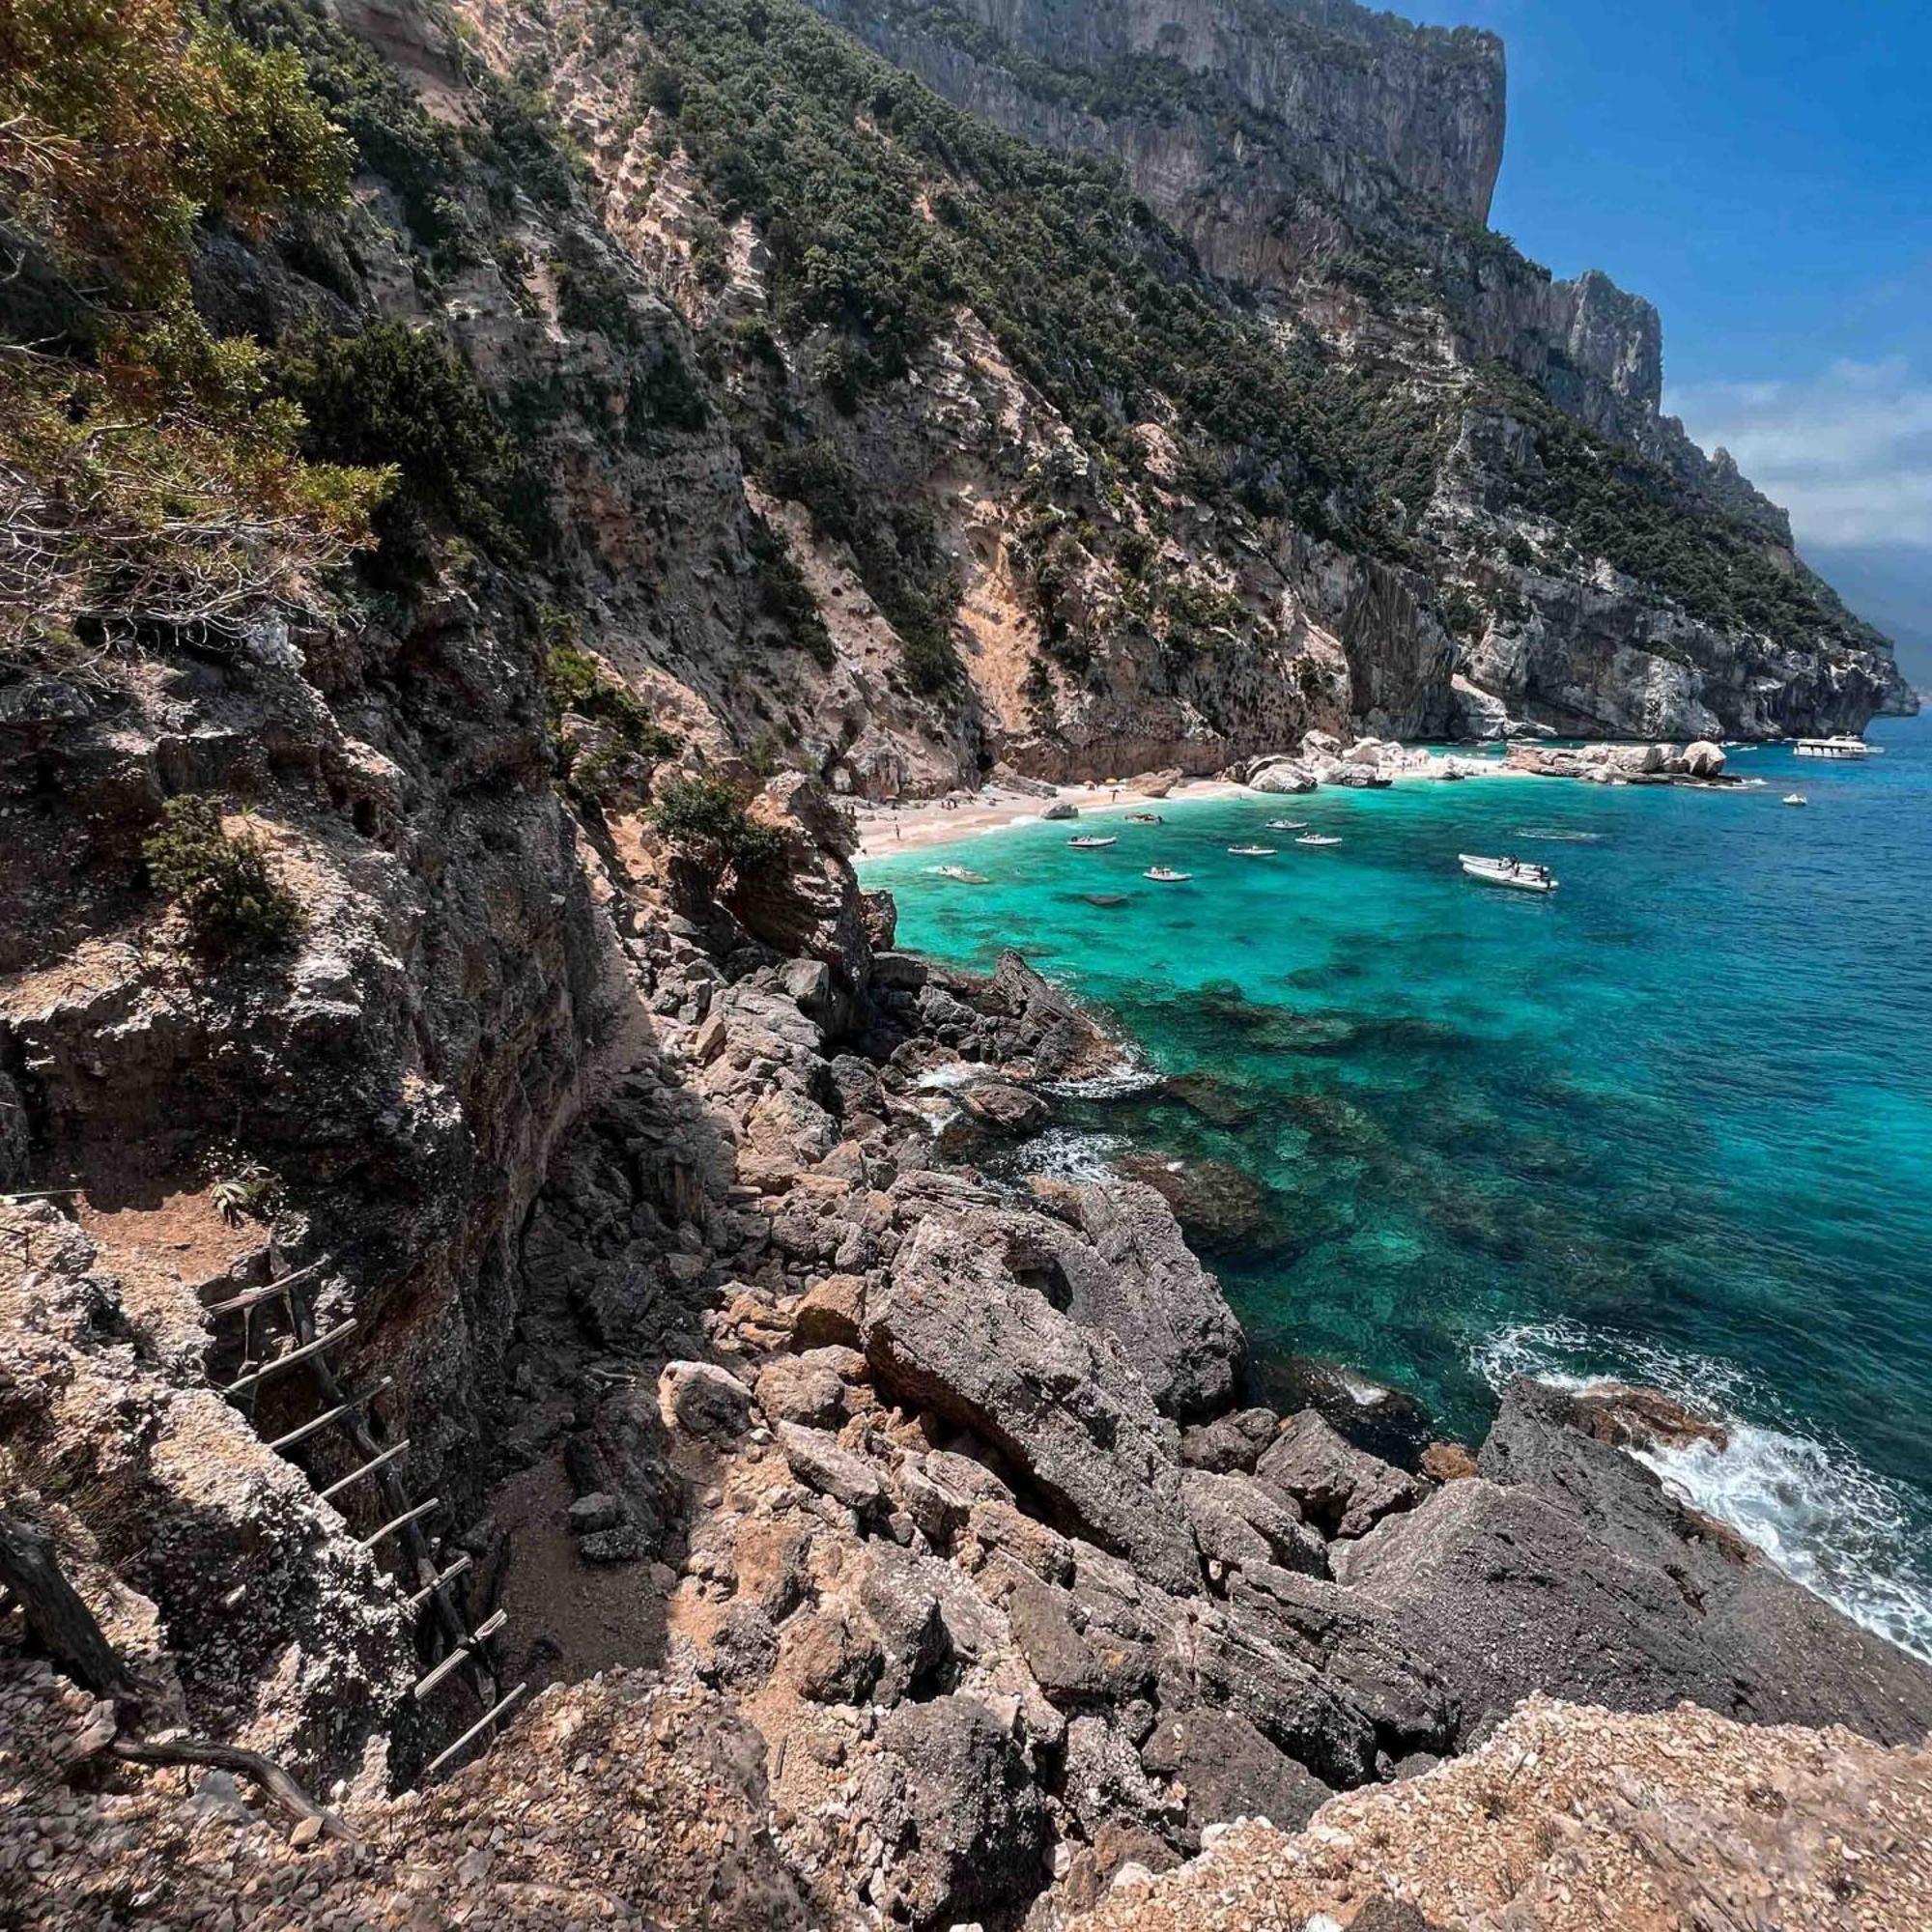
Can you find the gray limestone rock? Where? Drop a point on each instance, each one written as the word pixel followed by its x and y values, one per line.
pixel 704 1400
pixel 1241 1525
pixel 817 1461
pixel 952 1792
pixel 1342 1491
pixel 1230 1444
pixel 1132 1274
pixel 957 1333
pixel 1566 1567
pixel 1228 1770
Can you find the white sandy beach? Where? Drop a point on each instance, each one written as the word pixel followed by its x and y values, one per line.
pixel 929 821
pixel 885 829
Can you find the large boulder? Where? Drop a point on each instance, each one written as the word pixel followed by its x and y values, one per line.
pixel 1219 1206
pixel 951 1792
pixel 1240 1525
pixel 1228 1770
pixel 1017 1015
pixel 1362 1654
pixel 807 901
pixel 1130 1273
pixel 1567 1568
pixel 1703 760
pixel 956 1332
pixel 1282 776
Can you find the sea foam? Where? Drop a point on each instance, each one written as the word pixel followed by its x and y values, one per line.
pixel 1810 1505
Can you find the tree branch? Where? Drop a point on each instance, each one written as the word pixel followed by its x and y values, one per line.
pixel 263 1770
pixel 56 1614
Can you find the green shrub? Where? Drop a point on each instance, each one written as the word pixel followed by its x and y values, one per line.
pixel 784 597
pixel 1461 615
pixel 592 297
pixel 666 395
pixel 395 395
pixel 573 682
pixel 233 903
pixel 703 817
pixel 894 549
pixel 154 489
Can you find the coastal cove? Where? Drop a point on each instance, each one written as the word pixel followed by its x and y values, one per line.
pixel 1672 1123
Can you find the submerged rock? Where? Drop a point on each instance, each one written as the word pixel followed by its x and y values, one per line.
pixel 1217 1206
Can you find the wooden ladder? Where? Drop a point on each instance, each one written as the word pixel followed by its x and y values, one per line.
pixel 305 1349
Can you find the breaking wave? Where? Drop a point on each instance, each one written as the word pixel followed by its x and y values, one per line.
pixel 1824 1517
pixel 1063 1153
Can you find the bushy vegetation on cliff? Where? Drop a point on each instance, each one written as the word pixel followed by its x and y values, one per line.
pixel 1610 503
pixel 883 211
pixel 230 899
pixel 150 483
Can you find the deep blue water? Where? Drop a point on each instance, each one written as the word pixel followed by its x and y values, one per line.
pixel 1672 1122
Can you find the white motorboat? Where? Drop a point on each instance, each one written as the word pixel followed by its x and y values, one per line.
pixel 1089 843
pixel 1287 825
pixel 1520 873
pixel 1318 838
pixel 1251 851
pixel 1840 747
pixel 1166 875
pixel 1796 798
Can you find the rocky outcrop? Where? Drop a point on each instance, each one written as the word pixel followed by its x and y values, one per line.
pixel 1278 143
pixel 1369 105
pixel 1566 1567
pixel 957 1333
pixel 1572 1819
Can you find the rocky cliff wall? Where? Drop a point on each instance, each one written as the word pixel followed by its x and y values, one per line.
pixel 1277 144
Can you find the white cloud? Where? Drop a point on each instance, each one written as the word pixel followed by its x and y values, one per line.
pixel 1848 451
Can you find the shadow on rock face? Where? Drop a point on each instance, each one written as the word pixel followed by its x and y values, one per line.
pixel 1385 1421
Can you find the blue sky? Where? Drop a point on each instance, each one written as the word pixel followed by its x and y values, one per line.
pixel 1762 171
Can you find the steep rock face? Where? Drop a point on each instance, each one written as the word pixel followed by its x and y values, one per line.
pixel 1283 143
pixel 1367 104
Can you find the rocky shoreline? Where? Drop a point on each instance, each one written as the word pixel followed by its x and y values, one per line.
pixel 926 1526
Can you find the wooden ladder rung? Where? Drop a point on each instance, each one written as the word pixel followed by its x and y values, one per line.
pixel 290 1360
pixel 329 1415
pixel 402 1522
pixel 474 1731
pixel 436 1583
pixel 461 1655
pixel 253 1297
pixel 368 1468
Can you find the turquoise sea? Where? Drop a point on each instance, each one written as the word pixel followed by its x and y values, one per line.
pixel 1672 1122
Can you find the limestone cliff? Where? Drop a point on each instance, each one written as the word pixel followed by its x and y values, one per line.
pixel 1319 155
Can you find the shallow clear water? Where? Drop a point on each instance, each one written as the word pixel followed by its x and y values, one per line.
pixel 1673 1121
